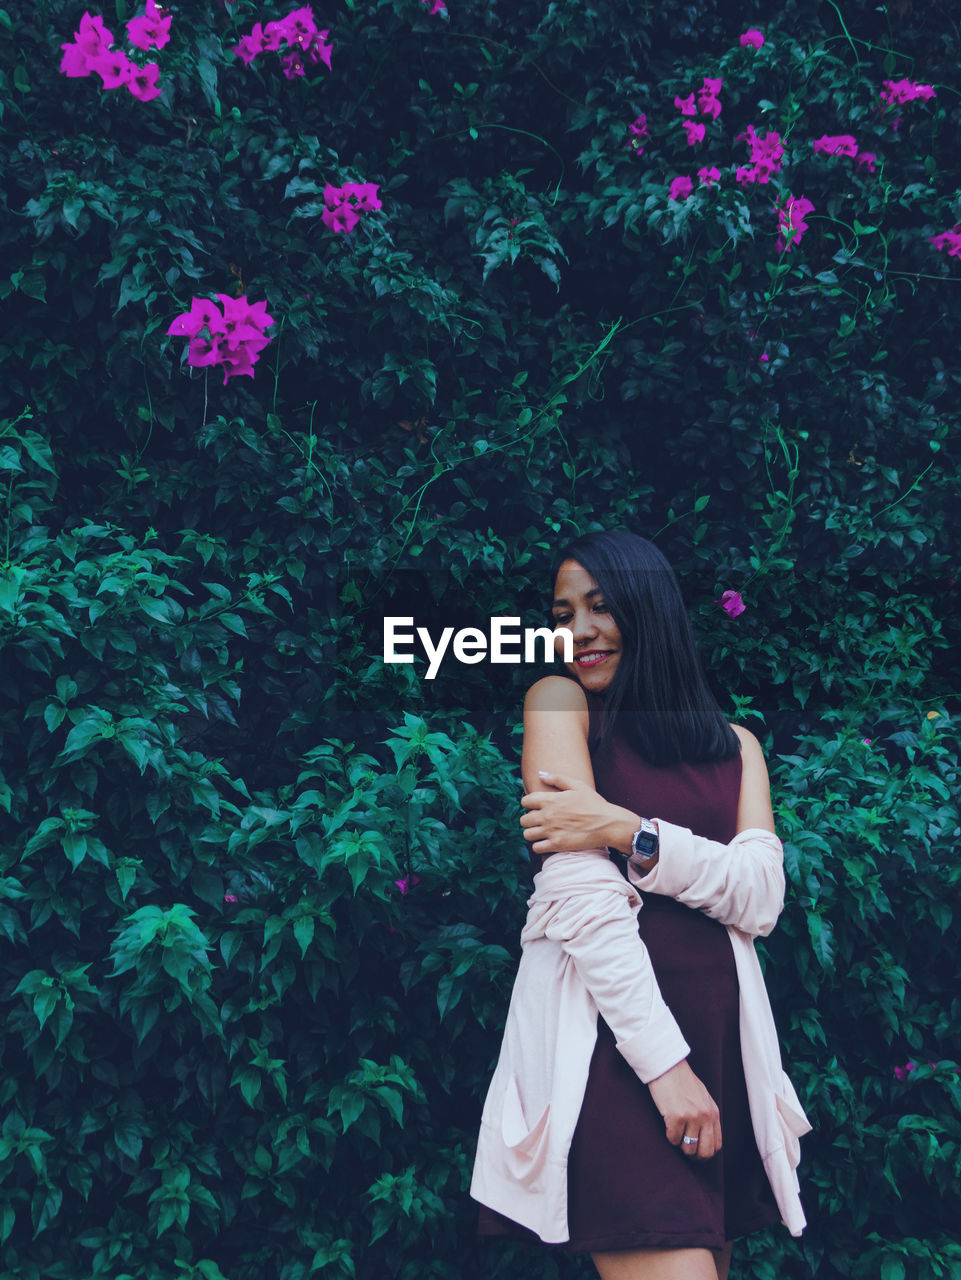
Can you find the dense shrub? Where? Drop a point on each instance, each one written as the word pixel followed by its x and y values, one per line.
pixel 260 891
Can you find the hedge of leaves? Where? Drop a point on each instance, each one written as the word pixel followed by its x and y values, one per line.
pixel 318 315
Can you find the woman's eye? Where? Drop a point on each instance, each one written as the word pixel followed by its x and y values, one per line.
pixel 600 608
pixel 560 619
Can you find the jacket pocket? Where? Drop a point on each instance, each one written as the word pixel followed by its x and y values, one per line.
pixel 526 1144
pixel 792 1121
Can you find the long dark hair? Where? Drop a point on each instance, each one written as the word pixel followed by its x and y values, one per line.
pixel 658 696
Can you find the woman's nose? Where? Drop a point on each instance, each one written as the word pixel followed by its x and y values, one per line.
pixel 582 626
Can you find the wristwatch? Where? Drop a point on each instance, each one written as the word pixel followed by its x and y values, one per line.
pixel 644 846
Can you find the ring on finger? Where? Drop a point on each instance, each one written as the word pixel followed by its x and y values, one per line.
pixel 690 1143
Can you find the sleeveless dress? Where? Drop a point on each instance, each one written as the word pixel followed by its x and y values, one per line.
pixel 628 1187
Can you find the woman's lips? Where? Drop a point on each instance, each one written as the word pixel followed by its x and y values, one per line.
pixel 591 659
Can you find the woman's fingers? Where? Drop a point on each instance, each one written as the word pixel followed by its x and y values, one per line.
pixel 689 1112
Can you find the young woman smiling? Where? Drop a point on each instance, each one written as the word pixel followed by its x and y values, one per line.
pixel 639 1081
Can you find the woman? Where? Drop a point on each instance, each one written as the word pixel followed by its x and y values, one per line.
pixel 639 1081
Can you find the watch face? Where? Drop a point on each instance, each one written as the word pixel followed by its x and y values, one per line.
pixel 644 844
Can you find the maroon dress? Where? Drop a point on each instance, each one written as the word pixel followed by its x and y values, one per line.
pixel 627 1186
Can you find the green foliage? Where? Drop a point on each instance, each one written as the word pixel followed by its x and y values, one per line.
pixel 261 892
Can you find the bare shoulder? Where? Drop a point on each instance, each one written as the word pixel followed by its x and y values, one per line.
pixel 556 693
pixel 749 743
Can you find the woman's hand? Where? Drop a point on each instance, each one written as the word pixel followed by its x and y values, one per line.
pixel 688 1110
pixel 573 816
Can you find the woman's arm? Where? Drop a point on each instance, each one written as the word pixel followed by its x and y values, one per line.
pixel 740 883
pixel 613 962
pixel 556 723
pixel 555 732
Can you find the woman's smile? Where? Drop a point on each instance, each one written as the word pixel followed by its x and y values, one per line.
pixel 591 658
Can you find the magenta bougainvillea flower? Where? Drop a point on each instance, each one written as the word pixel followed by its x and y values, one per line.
pixel 899 91
pixel 113 67
pixel 231 335
pixel 695 132
pixel 902 1073
pixel 950 241
pixel 88 42
pixel 143 81
pixel 298 31
pixel 638 131
pixel 707 100
pixel 407 884
pixel 709 174
pixel 766 156
pixel 732 603
pixel 686 105
pixel 151 30
pixel 680 188
pixel 866 160
pixel 791 222
pixel 91 52
pixel 344 205
pixel 752 39
pixel 435 5
pixel 842 144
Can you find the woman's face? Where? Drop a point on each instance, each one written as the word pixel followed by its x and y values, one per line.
pixel 580 607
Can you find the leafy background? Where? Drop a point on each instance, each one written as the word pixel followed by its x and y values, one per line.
pixel 261 893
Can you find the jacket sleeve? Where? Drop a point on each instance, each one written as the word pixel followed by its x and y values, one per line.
pixel 740 884
pixel 597 928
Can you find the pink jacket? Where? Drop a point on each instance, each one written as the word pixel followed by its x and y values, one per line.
pixel 581 953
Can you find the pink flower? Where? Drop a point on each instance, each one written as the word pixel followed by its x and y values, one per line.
pixel 950 240
pixel 142 82
pixel 343 205
pixel 695 132
pixel 899 91
pixel 766 154
pixel 407 884
pixel 203 313
pixel 93 37
pixel 340 217
pixel 91 42
pixel 686 105
pixel 752 39
pixel 292 64
pixel 152 30
pixel 732 603
pixel 74 62
pixel 362 194
pixel 231 897
pixel 436 6
pixel 298 30
pixel 251 45
pixel 902 1073
pixel 707 99
pixel 232 337
pixel 708 175
pixel 791 222
pixel 867 160
pixel 640 131
pixel 318 51
pixel 680 189
pixel 113 67
pixel 842 144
